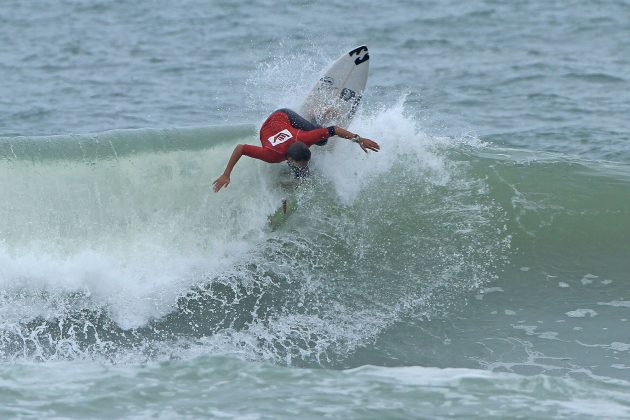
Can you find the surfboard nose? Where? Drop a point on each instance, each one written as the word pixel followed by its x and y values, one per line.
pixel 336 95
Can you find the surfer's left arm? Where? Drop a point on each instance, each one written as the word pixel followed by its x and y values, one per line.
pixel 366 144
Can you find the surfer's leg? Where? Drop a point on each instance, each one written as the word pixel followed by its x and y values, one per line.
pixel 301 123
pixel 298 121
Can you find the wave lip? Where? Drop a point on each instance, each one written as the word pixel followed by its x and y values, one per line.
pixel 118 143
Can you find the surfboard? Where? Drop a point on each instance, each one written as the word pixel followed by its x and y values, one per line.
pixel 332 101
pixel 336 95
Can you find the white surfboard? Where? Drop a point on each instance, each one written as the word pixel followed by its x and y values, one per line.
pixel 335 97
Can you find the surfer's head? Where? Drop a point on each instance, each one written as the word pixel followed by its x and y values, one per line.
pixel 298 156
pixel 299 153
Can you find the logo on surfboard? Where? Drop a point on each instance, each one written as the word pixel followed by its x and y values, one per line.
pixel 280 137
pixel 347 94
pixel 326 82
pixel 361 53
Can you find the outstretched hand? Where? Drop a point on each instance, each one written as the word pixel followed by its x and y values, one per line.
pixel 222 181
pixel 367 144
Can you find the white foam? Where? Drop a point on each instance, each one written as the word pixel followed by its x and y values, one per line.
pixel 588 279
pixel 617 346
pixel 549 335
pixel 582 313
pixel 131 250
pixel 350 169
pixel 616 303
pixel 135 289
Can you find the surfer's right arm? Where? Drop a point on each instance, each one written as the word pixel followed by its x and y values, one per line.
pixel 256 152
pixel 224 179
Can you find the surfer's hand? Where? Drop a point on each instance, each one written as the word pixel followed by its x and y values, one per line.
pixel 222 181
pixel 367 144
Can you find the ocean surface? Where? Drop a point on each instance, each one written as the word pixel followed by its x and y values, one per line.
pixel 478 266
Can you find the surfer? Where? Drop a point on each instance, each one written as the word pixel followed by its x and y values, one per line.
pixel 286 135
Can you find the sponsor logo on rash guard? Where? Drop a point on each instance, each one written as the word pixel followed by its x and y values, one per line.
pixel 280 137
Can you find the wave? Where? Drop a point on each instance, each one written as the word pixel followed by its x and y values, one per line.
pixel 113 246
pixel 558 201
pixel 212 385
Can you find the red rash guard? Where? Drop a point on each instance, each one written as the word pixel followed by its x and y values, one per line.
pixel 277 134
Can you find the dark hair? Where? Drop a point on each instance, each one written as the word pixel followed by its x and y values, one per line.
pixel 298 151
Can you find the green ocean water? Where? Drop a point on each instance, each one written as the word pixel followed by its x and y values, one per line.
pixel 476 266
